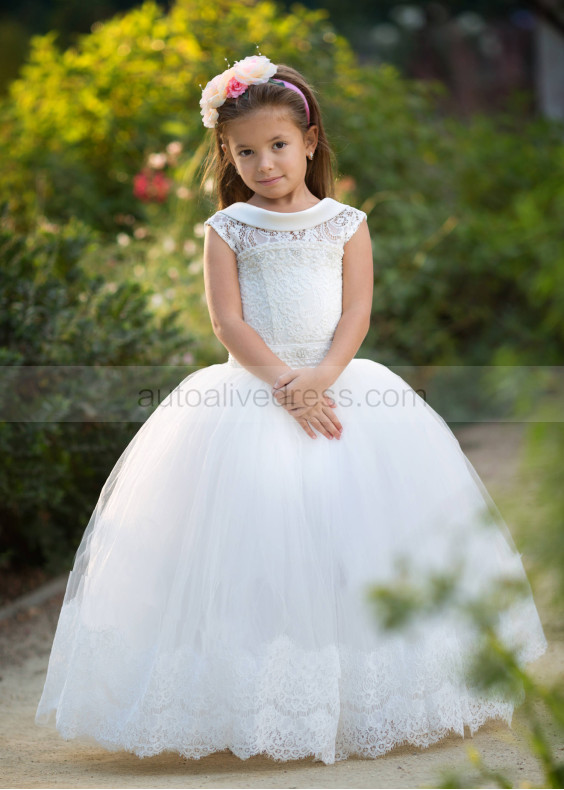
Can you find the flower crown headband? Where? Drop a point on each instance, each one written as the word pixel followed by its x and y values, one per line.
pixel 235 80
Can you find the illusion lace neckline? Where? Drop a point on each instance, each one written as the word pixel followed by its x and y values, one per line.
pixel 327 208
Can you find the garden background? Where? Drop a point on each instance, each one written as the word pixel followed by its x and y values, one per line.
pixel 457 159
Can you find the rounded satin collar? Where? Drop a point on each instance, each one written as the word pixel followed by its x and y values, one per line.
pixel 327 208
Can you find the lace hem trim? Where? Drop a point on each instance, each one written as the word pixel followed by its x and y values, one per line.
pixel 283 701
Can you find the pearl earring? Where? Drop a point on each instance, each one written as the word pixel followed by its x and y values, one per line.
pixel 311 155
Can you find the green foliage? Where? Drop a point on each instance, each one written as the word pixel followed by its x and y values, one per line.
pixel 465 216
pixel 54 312
pixel 468 258
pixel 544 455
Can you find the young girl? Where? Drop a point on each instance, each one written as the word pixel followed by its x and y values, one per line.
pixel 218 599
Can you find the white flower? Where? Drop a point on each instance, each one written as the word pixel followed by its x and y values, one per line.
pixel 123 239
pixel 190 247
pixel 208 185
pixel 210 118
pixel 169 244
pixel 157 300
pixel 157 161
pixel 213 94
pixel 254 69
pixel 199 230
pixel 174 148
pixel 183 193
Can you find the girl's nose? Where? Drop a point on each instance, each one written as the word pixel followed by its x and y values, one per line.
pixel 265 165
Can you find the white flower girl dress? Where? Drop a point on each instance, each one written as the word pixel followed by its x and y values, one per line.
pixel 218 597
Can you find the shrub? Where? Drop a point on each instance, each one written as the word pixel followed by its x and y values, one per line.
pixel 54 313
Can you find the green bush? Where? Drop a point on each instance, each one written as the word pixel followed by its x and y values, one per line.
pixel 465 218
pixel 469 261
pixel 465 215
pixel 54 313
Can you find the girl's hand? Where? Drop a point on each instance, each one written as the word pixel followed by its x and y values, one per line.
pixel 319 416
pixel 299 387
pixel 307 402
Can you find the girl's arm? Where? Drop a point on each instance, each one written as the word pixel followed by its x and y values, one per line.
pixel 226 312
pixel 358 284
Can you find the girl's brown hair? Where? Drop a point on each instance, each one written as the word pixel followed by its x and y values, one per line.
pixel 228 186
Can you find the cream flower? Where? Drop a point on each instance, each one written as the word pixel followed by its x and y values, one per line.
pixel 210 118
pixel 213 94
pixel 249 71
pixel 253 69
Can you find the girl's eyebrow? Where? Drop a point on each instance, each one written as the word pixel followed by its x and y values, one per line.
pixel 244 145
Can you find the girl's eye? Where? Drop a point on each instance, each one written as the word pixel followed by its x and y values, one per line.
pixel 244 152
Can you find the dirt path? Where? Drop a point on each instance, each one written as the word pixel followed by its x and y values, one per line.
pixel 35 757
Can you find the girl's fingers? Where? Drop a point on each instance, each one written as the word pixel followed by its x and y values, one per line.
pixel 307 428
pixel 323 426
pixel 316 423
pixel 335 422
pixel 321 417
pixel 332 423
pixel 326 428
pixel 288 405
pixel 332 432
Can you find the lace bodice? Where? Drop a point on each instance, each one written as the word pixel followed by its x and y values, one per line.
pixel 290 273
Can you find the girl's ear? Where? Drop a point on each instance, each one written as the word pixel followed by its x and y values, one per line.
pixel 311 136
pixel 227 152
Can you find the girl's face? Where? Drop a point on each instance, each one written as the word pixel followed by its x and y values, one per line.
pixel 267 146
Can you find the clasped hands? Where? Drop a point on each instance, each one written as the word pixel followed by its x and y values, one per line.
pixel 301 392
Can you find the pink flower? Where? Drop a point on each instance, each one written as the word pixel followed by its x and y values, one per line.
pixel 161 187
pixel 140 184
pixel 235 88
pixel 151 186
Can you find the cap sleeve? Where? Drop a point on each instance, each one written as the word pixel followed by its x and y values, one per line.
pixel 224 226
pixel 354 217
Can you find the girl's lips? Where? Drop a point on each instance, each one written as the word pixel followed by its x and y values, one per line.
pixel 271 180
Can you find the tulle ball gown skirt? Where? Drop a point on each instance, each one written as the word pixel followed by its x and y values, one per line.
pixel 218 599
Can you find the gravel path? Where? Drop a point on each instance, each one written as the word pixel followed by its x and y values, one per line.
pixel 33 757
